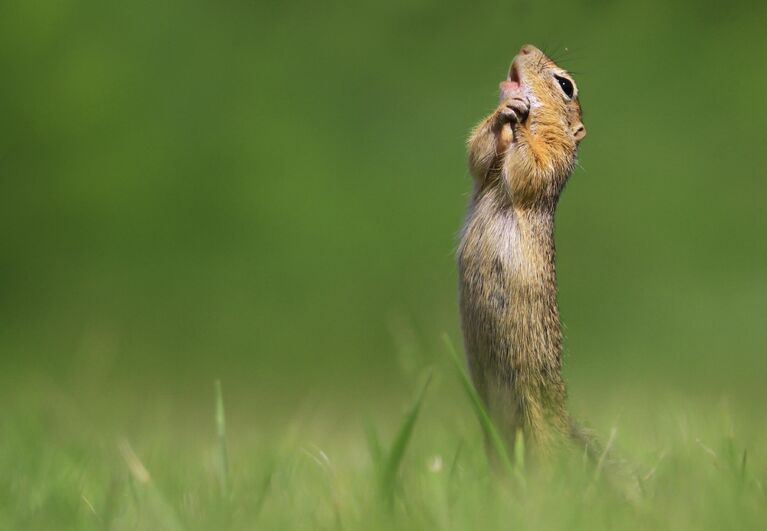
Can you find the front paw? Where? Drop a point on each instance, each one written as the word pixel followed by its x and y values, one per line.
pixel 514 110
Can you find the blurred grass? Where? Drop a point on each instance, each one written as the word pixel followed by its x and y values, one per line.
pixel 271 193
pixel 700 470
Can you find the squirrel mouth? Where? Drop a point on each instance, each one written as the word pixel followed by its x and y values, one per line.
pixel 512 83
pixel 513 79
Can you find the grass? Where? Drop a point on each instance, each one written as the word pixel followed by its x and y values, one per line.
pixel 317 471
pixel 491 433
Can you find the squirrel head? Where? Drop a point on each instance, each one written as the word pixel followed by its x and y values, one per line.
pixel 552 129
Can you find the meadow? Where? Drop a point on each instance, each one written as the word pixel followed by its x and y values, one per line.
pixel 418 462
pixel 268 195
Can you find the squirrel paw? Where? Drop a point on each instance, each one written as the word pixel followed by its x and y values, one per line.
pixel 514 109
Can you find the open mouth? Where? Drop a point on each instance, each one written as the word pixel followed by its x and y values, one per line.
pixel 513 78
pixel 513 82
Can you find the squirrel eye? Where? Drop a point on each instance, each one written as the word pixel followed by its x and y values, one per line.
pixel 567 86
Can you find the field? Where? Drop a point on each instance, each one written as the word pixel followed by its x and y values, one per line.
pixel 419 465
pixel 268 194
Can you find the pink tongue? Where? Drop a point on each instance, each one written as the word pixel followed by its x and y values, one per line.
pixel 507 87
pixel 507 84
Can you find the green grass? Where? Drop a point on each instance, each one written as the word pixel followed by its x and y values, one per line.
pixel 65 466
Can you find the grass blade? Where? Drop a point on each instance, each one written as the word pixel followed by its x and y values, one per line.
pixel 222 455
pixel 519 452
pixel 489 428
pixel 145 492
pixel 263 490
pixel 374 445
pixel 397 451
pixel 605 452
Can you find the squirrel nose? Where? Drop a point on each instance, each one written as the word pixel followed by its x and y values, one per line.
pixel 526 49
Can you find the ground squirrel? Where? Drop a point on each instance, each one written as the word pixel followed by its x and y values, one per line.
pixel 520 158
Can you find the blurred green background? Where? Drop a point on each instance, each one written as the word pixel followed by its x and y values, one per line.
pixel 271 192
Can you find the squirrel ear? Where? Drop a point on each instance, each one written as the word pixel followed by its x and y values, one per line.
pixel 579 131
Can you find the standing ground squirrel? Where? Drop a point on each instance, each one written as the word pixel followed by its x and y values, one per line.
pixel 520 158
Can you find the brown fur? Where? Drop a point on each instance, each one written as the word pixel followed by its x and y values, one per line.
pixel 520 158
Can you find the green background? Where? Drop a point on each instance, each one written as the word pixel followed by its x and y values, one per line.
pixel 271 193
